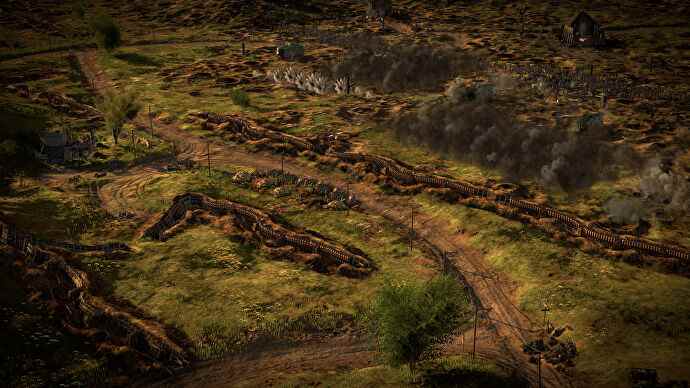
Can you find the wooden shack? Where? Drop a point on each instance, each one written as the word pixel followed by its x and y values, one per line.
pixel 56 147
pixel 53 146
pixel 582 30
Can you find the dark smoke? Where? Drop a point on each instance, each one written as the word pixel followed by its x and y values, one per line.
pixel 466 125
pixel 372 62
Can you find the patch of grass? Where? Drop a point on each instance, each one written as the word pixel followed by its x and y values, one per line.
pixel 51 214
pixel 216 289
pixel 454 371
pixel 239 97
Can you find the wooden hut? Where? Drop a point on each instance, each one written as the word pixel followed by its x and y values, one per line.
pixel 53 146
pixel 582 30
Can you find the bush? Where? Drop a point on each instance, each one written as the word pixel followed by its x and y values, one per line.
pixel 411 319
pixel 239 97
pixel 107 32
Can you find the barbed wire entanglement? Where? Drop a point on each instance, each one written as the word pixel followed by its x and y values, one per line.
pixel 584 83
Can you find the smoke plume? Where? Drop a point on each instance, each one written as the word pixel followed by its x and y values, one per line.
pixel 662 186
pixel 372 62
pixel 466 125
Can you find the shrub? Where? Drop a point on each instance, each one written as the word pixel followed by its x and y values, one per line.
pixel 411 319
pixel 107 32
pixel 239 97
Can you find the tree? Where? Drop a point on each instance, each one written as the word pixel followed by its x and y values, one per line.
pixel 107 32
pixel 412 319
pixel 118 108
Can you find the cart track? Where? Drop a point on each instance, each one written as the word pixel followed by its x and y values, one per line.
pixel 494 293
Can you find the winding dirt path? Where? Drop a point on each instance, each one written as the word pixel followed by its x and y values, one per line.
pixel 504 327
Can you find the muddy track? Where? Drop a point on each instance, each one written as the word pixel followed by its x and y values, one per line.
pixel 118 194
pixel 494 292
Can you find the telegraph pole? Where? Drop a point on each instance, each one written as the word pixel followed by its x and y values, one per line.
pixel 539 369
pixel 347 197
pixel 474 337
pixel 208 155
pixel 411 225
pixel 150 120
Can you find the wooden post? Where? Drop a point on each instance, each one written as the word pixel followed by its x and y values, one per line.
pixel 208 155
pixel 347 196
pixel 243 48
pixel 411 225
pixel 474 337
pixel 150 120
pixel 539 369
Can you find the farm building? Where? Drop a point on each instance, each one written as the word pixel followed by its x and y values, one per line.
pixel 582 30
pixel 57 147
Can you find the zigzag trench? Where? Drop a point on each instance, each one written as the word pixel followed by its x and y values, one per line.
pixel 260 224
pixel 405 175
pixel 83 313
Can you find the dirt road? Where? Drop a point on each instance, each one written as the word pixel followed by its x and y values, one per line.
pixel 505 325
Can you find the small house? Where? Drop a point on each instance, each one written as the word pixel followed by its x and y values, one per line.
pixel 53 146
pixel 582 30
pixel 57 148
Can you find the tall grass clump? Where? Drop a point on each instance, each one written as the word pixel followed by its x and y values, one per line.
pixel 239 97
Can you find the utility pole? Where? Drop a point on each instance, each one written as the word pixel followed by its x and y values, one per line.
pixel 347 197
pixel 134 149
pixel 411 225
pixel 150 120
pixel 539 369
pixel 474 337
pixel 208 155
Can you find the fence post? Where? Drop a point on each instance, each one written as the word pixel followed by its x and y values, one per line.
pixel 474 337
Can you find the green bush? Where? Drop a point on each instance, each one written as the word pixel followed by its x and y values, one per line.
pixel 411 319
pixel 239 97
pixel 107 32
